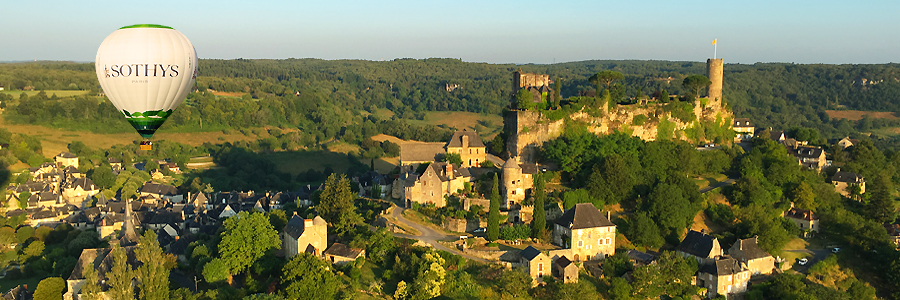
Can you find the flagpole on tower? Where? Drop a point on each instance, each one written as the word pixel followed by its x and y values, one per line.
pixel 715 48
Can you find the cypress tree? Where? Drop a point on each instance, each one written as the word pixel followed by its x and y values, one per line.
pixel 538 224
pixel 493 230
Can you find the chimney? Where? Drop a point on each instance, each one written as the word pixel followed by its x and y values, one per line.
pixel 607 215
pixel 295 212
pixel 449 170
pixel 465 141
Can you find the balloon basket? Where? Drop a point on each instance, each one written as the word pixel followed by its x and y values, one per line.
pixel 146 145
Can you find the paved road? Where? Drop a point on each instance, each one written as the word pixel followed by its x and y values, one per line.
pixel 428 235
pixel 719 184
pixel 818 255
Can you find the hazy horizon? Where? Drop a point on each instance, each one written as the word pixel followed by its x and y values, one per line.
pixel 498 32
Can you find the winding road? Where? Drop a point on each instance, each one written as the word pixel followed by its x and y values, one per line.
pixel 428 235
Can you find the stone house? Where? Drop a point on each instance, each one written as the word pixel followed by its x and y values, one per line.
pixel 701 246
pixel 744 129
pixel 565 270
pixel 804 218
pixel 469 147
pixel 437 181
pixel 811 157
pixel 66 159
pixel 725 276
pixel 340 254
pixel 842 182
pixel 76 191
pixel 305 235
pixel 587 232
pixel 517 181
pixel 536 264
pixel 756 259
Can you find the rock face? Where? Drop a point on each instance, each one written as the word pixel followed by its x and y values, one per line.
pixel 530 129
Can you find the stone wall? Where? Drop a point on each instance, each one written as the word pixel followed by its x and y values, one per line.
pixel 462 225
pixel 531 130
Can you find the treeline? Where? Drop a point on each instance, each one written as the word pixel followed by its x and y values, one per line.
pixel 777 95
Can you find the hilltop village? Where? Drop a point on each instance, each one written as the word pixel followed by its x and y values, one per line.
pixel 453 196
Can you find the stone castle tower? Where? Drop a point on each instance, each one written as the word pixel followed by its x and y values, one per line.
pixel 512 187
pixel 525 80
pixel 714 70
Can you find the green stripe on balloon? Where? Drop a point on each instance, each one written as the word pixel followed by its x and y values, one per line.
pixel 146 126
pixel 146 26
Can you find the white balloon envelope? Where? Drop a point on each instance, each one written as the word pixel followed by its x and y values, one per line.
pixel 146 71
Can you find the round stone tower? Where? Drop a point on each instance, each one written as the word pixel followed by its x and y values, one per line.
pixel 714 70
pixel 511 183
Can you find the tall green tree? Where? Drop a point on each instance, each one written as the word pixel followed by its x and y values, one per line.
pixel 308 277
pixel 606 78
pixel 153 274
pixel 881 203
pixel 246 239
pixel 90 290
pixel 336 204
pixel 557 90
pixel 524 99
pixel 493 230
pixel 694 83
pixel 539 223
pixel 50 289
pixel 121 276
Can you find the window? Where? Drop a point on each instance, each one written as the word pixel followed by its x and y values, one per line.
pixel 540 267
pixel 600 241
pixel 580 244
pixel 607 240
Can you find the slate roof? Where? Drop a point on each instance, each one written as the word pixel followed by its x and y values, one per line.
pixel 722 267
pixel 776 135
pixel 102 260
pixel 456 139
pixel 166 218
pixel 159 189
pixel 295 227
pixel 511 164
pixel 529 168
pixel 583 215
pixel 85 183
pixel 563 261
pixel 742 122
pixel 338 249
pixel 411 152
pixel 802 214
pixel 847 177
pixel 639 256
pixel 750 249
pixel 530 253
pixel 809 152
pixel 697 244
pixel 66 155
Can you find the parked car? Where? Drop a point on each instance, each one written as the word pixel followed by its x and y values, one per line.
pixel 835 250
pixel 480 230
pixel 803 261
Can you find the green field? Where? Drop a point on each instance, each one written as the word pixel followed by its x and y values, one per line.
pixel 486 125
pixel 59 93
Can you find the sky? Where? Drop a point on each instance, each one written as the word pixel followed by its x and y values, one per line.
pixel 541 32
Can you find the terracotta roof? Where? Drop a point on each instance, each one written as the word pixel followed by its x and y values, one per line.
pixel 412 152
pixel 456 139
pixel 583 215
pixel 697 244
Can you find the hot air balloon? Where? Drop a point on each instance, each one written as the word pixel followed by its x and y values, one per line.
pixel 146 70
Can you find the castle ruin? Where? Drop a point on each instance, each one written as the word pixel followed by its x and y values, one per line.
pixel 530 129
